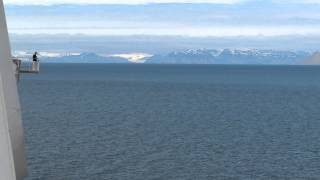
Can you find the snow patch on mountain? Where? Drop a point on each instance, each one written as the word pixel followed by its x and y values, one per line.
pixel 230 56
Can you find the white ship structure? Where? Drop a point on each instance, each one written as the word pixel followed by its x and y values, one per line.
pixel 12 149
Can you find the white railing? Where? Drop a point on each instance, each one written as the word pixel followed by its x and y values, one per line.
pixel 26 65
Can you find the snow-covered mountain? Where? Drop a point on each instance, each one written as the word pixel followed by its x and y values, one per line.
pixel 312 60
pixel 229 56
pixel 200 56
pixel 85 58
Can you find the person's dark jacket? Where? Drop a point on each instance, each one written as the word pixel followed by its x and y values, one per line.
pixel 35 57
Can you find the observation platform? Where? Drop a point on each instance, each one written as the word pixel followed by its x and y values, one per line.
pixel 25 65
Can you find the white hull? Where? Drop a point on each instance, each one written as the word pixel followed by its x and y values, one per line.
pixel 12 152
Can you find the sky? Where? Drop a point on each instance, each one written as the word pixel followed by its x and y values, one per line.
pixel 51 2
pixel 195 18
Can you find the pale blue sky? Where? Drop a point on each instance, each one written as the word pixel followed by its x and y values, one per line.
pixel 51 2
pixel 165 17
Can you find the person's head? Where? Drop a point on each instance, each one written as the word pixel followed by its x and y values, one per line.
pixel 35 53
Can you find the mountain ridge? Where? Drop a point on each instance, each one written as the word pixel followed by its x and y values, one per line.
pixel 230 56
pixel 312 60
pixel 85 58
pixel 194 56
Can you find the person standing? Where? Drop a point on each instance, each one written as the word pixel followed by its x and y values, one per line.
pixel 35 63
pixel 35 57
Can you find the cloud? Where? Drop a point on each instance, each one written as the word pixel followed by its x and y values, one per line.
pixel 269 19
pixel 53 2
pixel 300 1
pixel 223 31
pixel 135 2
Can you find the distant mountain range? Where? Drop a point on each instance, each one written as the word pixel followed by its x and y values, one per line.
pixel 201 56
pixel 84 58
pixel 313 60
pixel 228 56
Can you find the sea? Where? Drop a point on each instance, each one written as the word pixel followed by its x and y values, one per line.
pixel 179 122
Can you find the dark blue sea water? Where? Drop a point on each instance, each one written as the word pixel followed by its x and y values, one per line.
pixel 95 121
